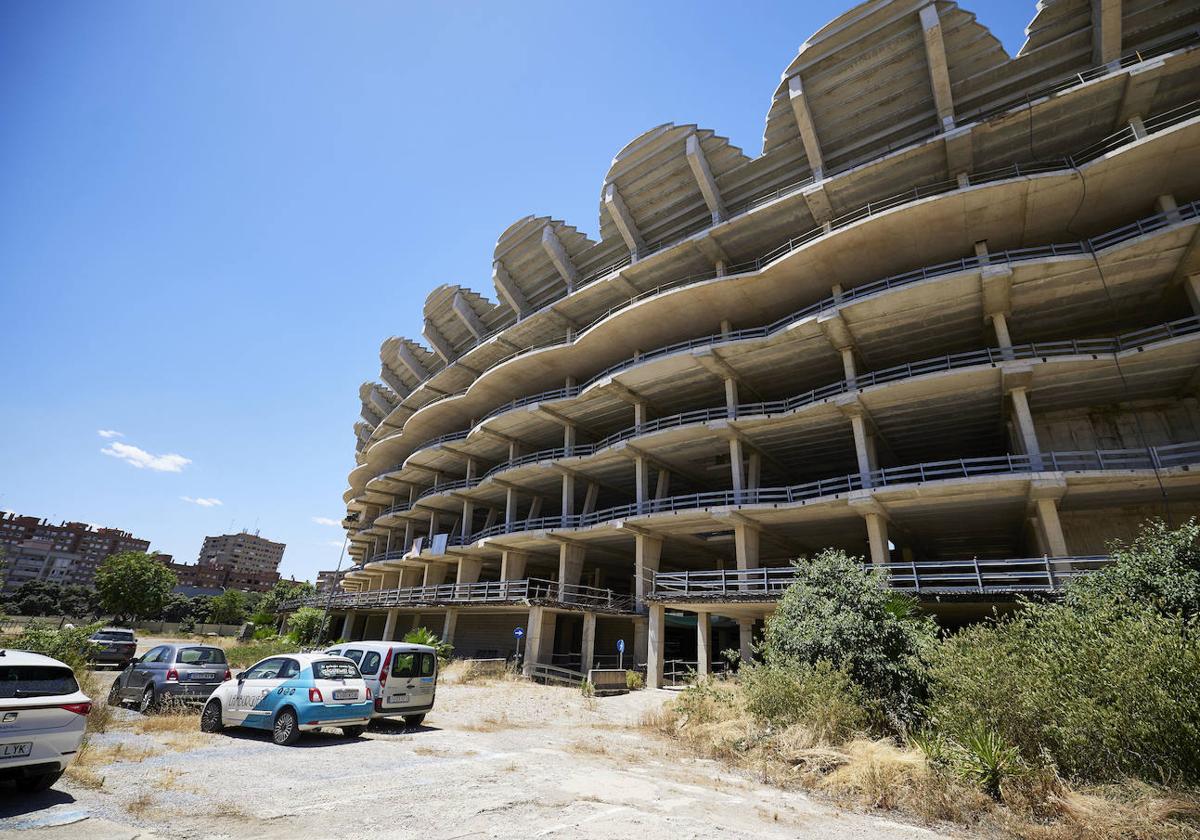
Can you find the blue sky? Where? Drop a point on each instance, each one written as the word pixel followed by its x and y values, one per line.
pixel 213 213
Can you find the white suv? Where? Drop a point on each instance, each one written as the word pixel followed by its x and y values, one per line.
pixel 402 676
pixel 42 718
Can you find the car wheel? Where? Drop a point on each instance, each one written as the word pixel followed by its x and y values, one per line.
pixel 43 781
pixel 210 718
pixel 353 731
pixel 149 701
pixel 414 720
pixel 114 693
pixel 287 729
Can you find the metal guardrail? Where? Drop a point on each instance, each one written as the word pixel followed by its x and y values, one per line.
pixel 1095 244
pixel 1041 350
pixel 488 592
pixel 1151 458
pixel 1026 574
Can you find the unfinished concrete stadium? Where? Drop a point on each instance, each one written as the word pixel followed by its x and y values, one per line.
pixel 948 320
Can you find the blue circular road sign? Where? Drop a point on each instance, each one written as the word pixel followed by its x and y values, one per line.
pixel 519 632
pixel 620 645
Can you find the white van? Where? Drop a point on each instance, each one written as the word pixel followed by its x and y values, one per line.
pixel 402 676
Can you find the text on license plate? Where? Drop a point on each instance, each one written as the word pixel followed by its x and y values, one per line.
pixel 16 750
pixel 345 694
pixel 203 675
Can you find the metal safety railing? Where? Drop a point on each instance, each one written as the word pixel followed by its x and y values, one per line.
pixel 1026 574
pixel 488 592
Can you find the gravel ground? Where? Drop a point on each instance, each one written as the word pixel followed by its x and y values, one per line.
pixel 500 759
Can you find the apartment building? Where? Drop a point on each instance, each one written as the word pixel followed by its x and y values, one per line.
pixel 67 553
pixel 947 320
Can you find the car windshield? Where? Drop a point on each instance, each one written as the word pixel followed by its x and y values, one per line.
pixel 200 656
pixel 113 636
pixel 36 681
pixel 331 669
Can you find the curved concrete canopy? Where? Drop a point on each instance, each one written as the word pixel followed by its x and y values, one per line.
pixel 534 258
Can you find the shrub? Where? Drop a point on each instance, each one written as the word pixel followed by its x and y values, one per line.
pixel 840 613
pixel 634 681
pixel 821 698
pixel 244 655
pixel 69 645
pixel 1102 694
pixel 425 636
pixel 304 624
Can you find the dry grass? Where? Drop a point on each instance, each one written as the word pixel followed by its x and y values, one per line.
pixel 470 672
pixel 140 805
pixel 102 756
pixel 495 723
pixel 877 773
pixel 170 780
pixel 84 776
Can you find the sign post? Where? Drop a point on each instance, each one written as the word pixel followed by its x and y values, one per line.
pixel 519 633
pixel 621 654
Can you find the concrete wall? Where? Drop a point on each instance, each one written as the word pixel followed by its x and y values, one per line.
pixel 1117 426
pixel 1090 531
pixel 487 635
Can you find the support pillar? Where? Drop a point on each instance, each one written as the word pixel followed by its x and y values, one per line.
pixel 640 643
pixel 746 639
pixel 1024 417
pixel 862 449
pixel 510 506
pixel 647 554
pixel 570 567
pixel 1047 510
pixel 641 475
pixel 435 574
pixel 736 467
pixel 568 497
pixel 588 650
pixel 703 644
pixel 348 625
pixel 655 646
pixel 468 570
pixel 449 624
pixel 878 538
pixel 389 626
pixel 512 565
pixel 1191 285
pixel 745 545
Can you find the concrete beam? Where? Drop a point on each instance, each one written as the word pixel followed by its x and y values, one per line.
pixel 704 179
pixel 711 250
pixel 559 256
pixel 1106 31
pixel 935 55
pixel 467 315
pixel 508 290
pixel 1141 86
pixel 409 359
pixel 438 342
pixel 708 359
pixel 818 203
pixel 624 221
pixel 960 150
pixel 380 402
pixel 394 382
pixel 995 283
pixel 808 130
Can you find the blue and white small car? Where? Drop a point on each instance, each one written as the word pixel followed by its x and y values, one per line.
pixel 292 693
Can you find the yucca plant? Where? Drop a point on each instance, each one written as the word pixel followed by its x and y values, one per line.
pixel 424 636
pixel 984 759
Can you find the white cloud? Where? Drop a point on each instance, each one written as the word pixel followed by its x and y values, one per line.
pixel 203 502
pixel 335 543
pixel 109 434
pixel 325 520
pixel 142 459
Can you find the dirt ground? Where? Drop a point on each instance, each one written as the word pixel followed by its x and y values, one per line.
pixel 498 759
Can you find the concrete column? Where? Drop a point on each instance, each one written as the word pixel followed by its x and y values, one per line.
pixel 639 415
pixel 731 397
pixel 568 497
pixel 588 651
pixel 639 639
pixel 849 368
pixel 641 475
pixel 703 644
pixel 512 565
pixel 647 554
pixel 1052 528
pixel 1020 404
pixel 570 567
pixel 389 627
pixel 1000 325
pixel 468 570
pixel 736 467
pixel 745 544
pixel 1167 204
pixel 408 535
pixel 569 435
pixel 347 625
pixel 435 574
pixel 449 624
pixel 655 646
pixel 861 449
pixel 539 641
pixel 877 537
pixel 510 506
pixel 746 639
pixel 1191 285
pixel 753 471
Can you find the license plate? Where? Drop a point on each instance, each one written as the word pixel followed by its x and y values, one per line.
pixel 16 750
pixel 345 694
pixel 202 675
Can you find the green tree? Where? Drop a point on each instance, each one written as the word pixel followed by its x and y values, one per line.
pixel 227 608
pixel 282 592
pixel 78 601
pixel 838 612
pixel 134 585
pixel 425 636
pixel 304 624
pixel 177 608
pixel 37 597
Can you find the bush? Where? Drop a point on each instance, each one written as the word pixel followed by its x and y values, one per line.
pixel 245 655
pixel 634 681
pixel 1102 694
pixel 821 698
pixel 69 645
pixel 425 636
pixel 840 613
pixel 304 625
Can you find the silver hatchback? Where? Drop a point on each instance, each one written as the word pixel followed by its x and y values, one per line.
pixel 182 672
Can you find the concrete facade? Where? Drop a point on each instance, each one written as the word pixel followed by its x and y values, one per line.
pixel 68 553
pixel 948 320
